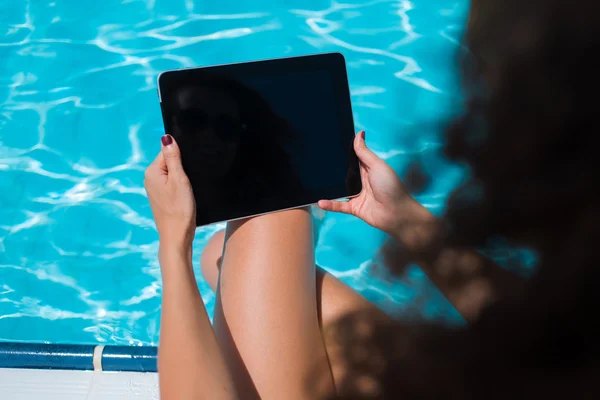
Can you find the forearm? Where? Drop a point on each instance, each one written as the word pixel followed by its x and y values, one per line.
pixel 471 281
pixel 468 279
pixel 190 363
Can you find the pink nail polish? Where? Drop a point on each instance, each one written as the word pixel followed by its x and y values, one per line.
pixel 166 140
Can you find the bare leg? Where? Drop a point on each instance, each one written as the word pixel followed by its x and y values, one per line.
pixel 334 298
pixel 266 313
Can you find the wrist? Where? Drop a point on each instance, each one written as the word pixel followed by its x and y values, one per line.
pixel 420 232
pixel 171 253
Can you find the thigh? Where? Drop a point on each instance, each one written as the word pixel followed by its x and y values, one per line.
pixel 337 300
pixel 266 313
pixel 334 300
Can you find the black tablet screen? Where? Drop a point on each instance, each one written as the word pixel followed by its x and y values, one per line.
pixel 258 142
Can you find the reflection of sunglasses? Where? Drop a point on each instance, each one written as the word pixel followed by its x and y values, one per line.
pixel 225 126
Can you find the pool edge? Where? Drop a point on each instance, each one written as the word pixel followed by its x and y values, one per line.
pixel 78 357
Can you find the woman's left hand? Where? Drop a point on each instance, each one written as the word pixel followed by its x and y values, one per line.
pixel 386 204
pixel 171 198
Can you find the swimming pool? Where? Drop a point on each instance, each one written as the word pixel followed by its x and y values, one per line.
pixel 80 120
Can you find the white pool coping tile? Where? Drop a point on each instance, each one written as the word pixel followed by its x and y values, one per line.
pixel 124 386
pixel 33 384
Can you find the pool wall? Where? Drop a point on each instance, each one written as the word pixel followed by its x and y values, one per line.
pixel 78 357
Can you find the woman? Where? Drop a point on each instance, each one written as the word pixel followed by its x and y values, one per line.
pixel 530 135
pixel 267 281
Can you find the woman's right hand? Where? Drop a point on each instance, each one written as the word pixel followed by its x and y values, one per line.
pixel 384 202
pixel 171 198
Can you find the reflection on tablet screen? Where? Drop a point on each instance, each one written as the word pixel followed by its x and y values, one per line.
pixel 233 145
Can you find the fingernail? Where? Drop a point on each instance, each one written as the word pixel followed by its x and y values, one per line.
pixel 362 135
pixel 166 140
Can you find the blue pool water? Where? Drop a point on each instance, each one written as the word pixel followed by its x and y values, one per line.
pixel 80 120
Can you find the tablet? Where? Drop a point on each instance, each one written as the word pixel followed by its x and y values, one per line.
pixel 263 136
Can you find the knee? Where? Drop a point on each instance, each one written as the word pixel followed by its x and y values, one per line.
pixel 210 259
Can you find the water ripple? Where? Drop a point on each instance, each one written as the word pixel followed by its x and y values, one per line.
pixel 80 121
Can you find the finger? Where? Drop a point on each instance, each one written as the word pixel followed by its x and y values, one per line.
pixel 336 206
pixel 364 154
pixel 161 164
pixel 364 176
pixel 158 163
pixel 155 163
pixel 155 168
pixel 171 155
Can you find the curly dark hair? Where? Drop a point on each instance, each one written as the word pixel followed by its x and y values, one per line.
pixel 530 130
pixel 529 135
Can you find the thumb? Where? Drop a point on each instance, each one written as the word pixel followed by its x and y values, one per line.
pixel 364 154
pixel 171 155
